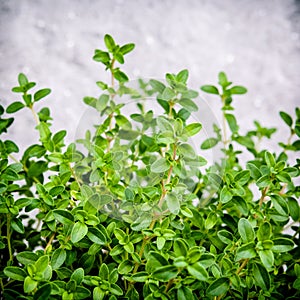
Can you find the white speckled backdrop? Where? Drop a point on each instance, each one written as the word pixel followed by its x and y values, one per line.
pixel 256 42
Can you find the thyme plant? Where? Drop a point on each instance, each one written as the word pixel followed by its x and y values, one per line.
pixel 131 210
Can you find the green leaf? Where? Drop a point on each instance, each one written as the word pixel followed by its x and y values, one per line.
pixel 102 85
pixel 284 177
pixel 223 81
pixel 43 292
pixel 142 222
pixel 41 94
pixel 286 118
pixel 78 232
pixel 280 205
pixel 58 258
pixel 165 273
pixel 282 245
pixel 168 94
pixel 261 277
pixel 34 151
pixel 296 284
pixel 104 271
pixel 294 209
pixel 245 141
pixel 15 273
pixel 22 79
pixel 188 104
pixel 196 162
pixel 210 89
pixel 173 203
pixel 183 114
pixel 198 271
pixel 184 293
pixel 96 236
pixel 238 90
pixel 101 56
pixel 102 102
pixel 225 195
pixel 140 277
pixel 182 76
pixel 59 136
pixel 269 158
pixel 246 230
pixel 180 247
pixel 254 171
pixel 225 236
pixel 63 216
pixel 154 261
pixel 42 263
pixel 14 107
pixel 242 177
pixel 297 130
pixel 159 166
pixel 211 220
pixel 157 85
pixel 29 284
pixel 17 225
pixel 186 150
pixel 267 258
pixel 27 257
pixel 120 76
pixel 123 122
pixel 125 267
pixel 91 101
pixel 127 48
pixel 246 251
pixel 98 294
pixel 56 190
pixel 98 201
pixel 109 42
pixel 218 287
pixel 264 231
pixel 192 129
pixel 44 130
pixel 209 143
pixel 119 57
pixel 115 289
pixel 231 120
pixel 164 125
pixel 263 181
pixel 81 293
pixel 128 134
pixel 78 275
pixel 11 147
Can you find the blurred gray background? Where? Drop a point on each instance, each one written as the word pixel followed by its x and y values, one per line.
pixel 256 42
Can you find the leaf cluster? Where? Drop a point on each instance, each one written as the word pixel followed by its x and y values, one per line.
pixel 132 211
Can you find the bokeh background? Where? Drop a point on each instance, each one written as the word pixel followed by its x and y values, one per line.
pixel 256 42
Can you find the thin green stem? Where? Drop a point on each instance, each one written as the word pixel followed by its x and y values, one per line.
pixel 8 236
pixel 263 195
pixel 112 74
pixel 1 284
pixel 242 266
pixel 13 158
pixel 35 116
pixel 49 242
pixel 198 187
pixel 109 139
pixel 225 141
pixel 168 180
pixel 169 284
pixel 144 243
pixel 289 140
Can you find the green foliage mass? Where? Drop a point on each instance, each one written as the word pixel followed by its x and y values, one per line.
pixel 132 211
